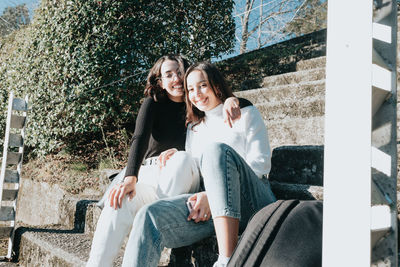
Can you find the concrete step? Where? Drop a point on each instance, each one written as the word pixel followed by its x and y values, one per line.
pixel 296 131
pixel 298 165
pixel 51 247
pixel 297 172
pixel 58 248
pixel 55 208
pixel 42 247
pixel 9 264
pixel 288 92
pixel 92 216
pixel 309 107
pixel 58 208
pixel 297 191
pixel 293 114
pixel 318 62
pixel 300 76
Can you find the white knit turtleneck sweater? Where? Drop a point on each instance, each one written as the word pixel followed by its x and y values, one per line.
pixel 248 137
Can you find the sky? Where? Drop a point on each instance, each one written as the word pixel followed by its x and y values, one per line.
pixel 31 4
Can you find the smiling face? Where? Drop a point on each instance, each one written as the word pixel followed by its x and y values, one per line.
pixel 171 80
pixel 200 92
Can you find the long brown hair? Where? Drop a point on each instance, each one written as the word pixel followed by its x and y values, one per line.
pixel 152 88
pixel 217 84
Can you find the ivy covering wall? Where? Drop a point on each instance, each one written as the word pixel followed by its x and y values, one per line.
pixel 84 63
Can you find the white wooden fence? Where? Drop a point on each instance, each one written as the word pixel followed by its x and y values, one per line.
pixel 11 167
pixel 360 161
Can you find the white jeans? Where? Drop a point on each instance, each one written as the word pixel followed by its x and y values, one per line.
pixel 179 176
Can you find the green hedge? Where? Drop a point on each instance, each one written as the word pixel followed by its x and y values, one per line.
pixel 72 58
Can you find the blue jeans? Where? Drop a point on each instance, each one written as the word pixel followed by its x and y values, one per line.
pixel 233 190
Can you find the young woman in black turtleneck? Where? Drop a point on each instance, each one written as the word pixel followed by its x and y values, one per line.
pixel 160 125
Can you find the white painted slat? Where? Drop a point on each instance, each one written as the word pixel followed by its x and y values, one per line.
pixel 6 142
pixel 380 217
pixel 11 176
pixel 382 84
pixel 17 121
pixel 380 222
pixel 19 104
pixel 13 158
pixel 382 32
pixel 381 78
pixel 7 213
pixel 9 194
pixel 5 231
pixel 381 161
pixel 16 140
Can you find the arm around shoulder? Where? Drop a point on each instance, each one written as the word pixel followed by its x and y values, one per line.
pixel 243 102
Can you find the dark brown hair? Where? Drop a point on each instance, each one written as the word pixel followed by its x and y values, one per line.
pixel 153 89
pixel 217 84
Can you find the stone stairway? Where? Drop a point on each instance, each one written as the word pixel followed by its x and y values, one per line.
pixel 292 106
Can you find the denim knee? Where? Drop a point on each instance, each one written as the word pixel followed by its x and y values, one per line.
pixel 215 149
pixel 221 180
pixel 148 225
pixel 213 154
pixel 165 223
pixel 150 213
pixel 144 244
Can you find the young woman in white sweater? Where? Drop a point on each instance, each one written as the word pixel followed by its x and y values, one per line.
pixel 232 161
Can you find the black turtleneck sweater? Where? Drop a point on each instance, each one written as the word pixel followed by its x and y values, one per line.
pixel 159 126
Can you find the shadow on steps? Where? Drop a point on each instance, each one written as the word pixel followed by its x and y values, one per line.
pixel 79 227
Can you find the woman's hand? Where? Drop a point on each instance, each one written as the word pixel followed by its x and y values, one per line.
pixel 166 155
pixel 231 110
pixel 118 192
pixel 201 211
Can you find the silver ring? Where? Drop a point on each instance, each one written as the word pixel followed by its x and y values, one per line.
pixel 205 215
